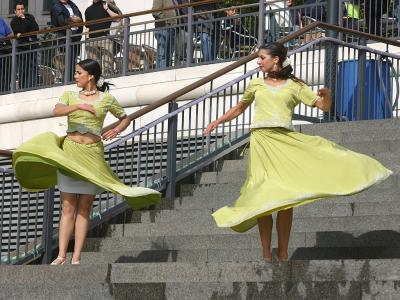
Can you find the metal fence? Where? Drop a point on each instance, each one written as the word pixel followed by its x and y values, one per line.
pixel 193 38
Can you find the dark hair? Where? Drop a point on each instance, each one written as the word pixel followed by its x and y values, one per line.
pixel 93 68
pixel 19 3
pixel 278 49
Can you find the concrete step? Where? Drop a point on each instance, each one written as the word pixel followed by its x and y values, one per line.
pixel 251 239
pixel 219 195
pixel 260 290
pixel 60 291
pixel 306 271
pixel 236 255
pixel 207 226
pixel 53 275
pixel 321 208
pixel 325 279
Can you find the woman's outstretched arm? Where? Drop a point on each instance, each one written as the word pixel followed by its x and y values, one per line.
pixel 229 115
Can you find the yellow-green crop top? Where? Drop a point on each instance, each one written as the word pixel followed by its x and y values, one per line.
pixel 274 105
pixel 84 121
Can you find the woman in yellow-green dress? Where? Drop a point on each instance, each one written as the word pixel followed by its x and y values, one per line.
pixel 76 162
pixel 287 168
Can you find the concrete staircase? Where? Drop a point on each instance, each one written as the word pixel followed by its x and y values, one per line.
pixel 340 248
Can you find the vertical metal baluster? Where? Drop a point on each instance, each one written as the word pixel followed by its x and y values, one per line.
pixel 132 153
pixel 196 131
pixel 189 135
pixel 18 223
pixel 171 153
pixel 162 150
pixel 138 159
pixel 181 142
pixel 154 152
pixel 3 181
pixel 36 222
pixel 27 224
pixel 47 235
pixel 147 158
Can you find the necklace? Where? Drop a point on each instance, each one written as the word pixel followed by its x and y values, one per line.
pixel 88 93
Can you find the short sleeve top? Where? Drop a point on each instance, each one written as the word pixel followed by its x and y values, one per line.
pixel 84 121
pixel 274 105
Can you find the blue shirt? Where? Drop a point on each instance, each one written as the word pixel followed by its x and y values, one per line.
pixel 4 29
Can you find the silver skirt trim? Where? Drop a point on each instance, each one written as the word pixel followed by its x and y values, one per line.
pixel 68 184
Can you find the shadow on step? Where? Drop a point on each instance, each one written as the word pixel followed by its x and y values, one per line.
pixel 150 256
pixel 341 245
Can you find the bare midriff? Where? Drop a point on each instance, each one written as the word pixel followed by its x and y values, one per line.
pixel 84 138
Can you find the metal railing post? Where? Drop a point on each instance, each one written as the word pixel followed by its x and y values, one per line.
pixel 13 66
pixel 261 22
pixel 125 57
pixel 331 55
pixel 362 62
pixel 189 44
pixel 171 152
pixel 68 56
pixel 47 235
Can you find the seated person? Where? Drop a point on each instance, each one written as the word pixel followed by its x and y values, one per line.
pixel 237 35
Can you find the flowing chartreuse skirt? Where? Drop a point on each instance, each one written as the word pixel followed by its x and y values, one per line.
pixel 36 163
pixel 287 169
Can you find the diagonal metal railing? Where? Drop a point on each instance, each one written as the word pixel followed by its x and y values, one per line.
pixel 171 147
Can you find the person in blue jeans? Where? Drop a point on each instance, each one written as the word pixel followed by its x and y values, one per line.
pixel 165 32
pixel 206 30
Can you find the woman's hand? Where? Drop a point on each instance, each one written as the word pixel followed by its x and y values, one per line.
pixel 210 127
pixel 324 92
pixel 87 107
pixel 112 133
pixel 324 101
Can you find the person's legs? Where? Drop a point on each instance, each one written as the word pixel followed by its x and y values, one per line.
pixel 107 58
pixel 283 226
pixel 265 229
pixel 170 45
pixel 81 224
pixel 67 220
pixel 205 40
pixel 161 60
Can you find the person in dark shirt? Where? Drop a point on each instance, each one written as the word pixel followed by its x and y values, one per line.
pixel 26 62
pixel 5 61
pixel 238 37
pixel 65 12
pixel 101 49
pixel 374 9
